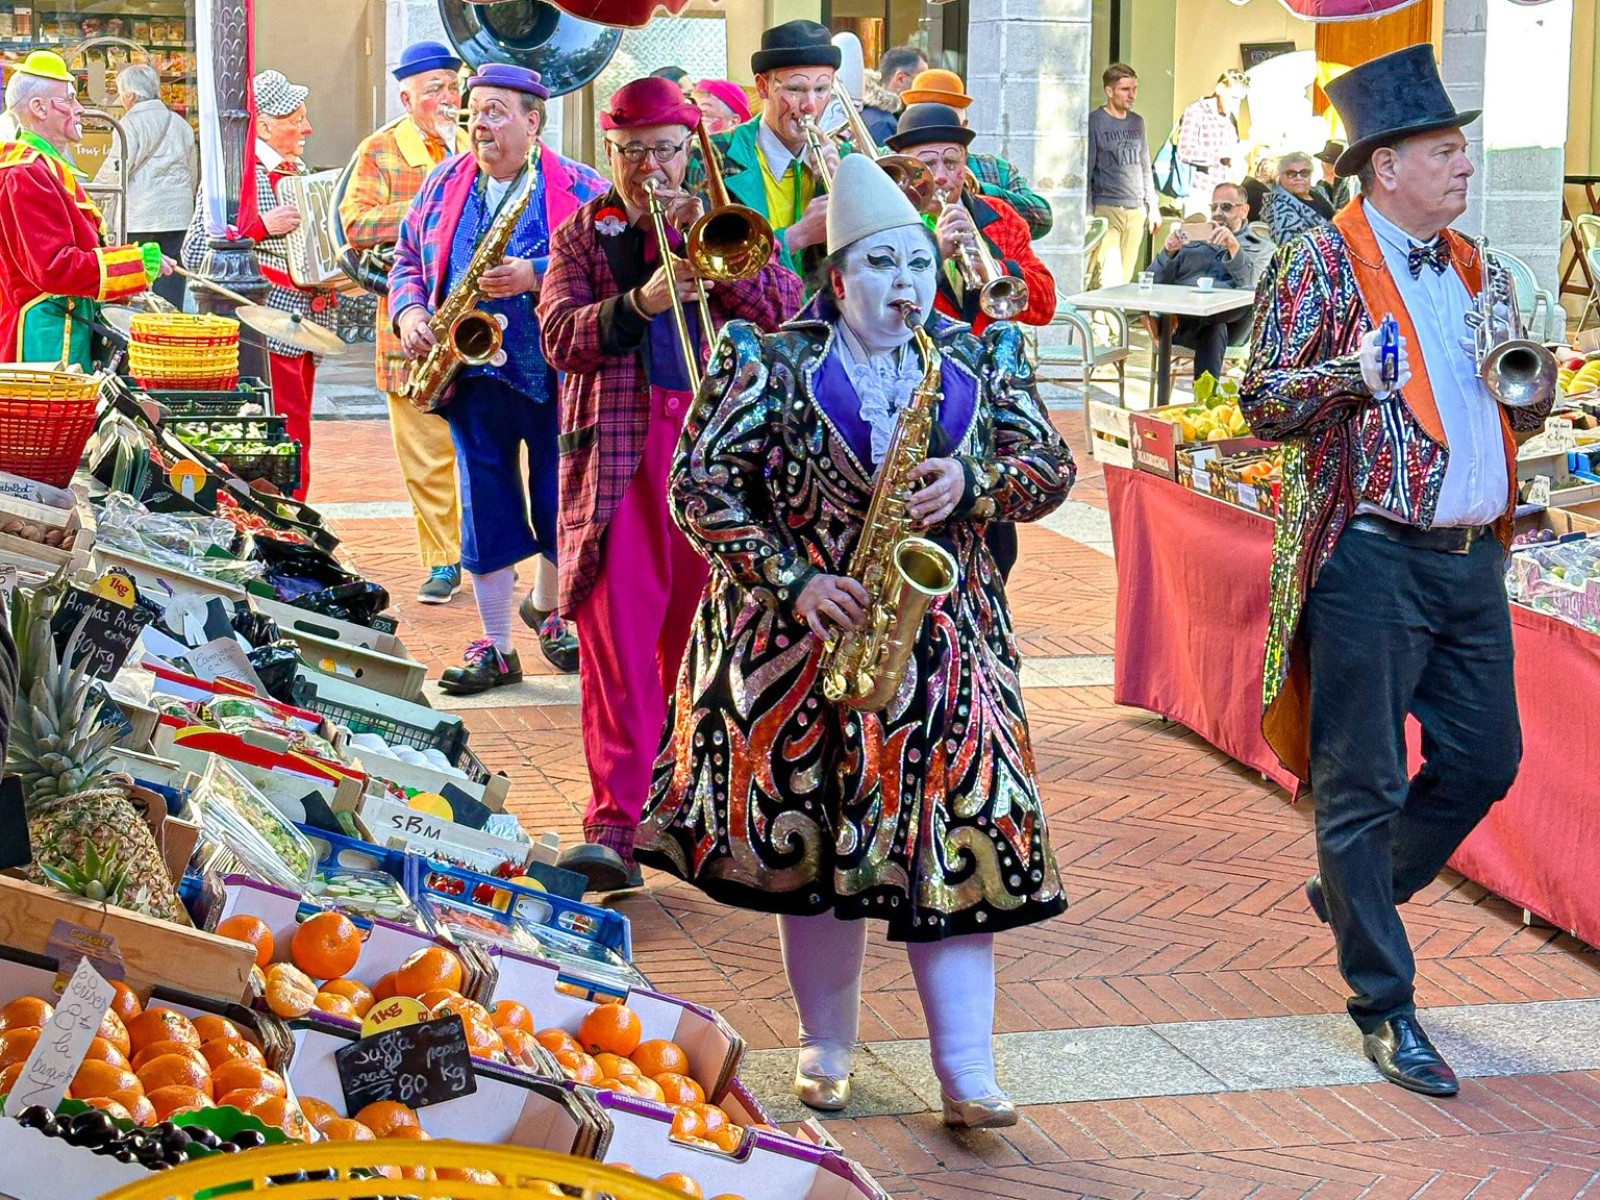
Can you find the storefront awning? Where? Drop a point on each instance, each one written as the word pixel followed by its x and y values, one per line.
pixel 1327 10
pixel 630 14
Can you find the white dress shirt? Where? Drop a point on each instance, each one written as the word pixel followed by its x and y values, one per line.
pixel 1475 484
pixel 776 155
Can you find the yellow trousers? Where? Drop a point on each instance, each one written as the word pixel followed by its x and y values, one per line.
pixel 427 457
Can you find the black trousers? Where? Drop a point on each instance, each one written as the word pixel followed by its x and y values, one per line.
pixel 168 287
pixel 1001 537
pixel 1210 339
pixel 1393 630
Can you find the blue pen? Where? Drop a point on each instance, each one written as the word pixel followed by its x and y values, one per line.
pixel 1389 350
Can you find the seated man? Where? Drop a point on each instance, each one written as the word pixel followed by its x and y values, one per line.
pixel 1230 253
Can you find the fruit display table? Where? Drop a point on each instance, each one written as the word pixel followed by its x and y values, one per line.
pixel 1191 616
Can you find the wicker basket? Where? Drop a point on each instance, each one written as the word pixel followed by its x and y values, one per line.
pixel 46 418
pixel 198 352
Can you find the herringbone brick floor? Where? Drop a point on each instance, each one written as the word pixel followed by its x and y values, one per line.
pixel 1184 873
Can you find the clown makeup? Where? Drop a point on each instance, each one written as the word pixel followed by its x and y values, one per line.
pixel 883 280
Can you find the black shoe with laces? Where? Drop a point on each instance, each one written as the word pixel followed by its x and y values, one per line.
pixel 485 668
pixel 557 640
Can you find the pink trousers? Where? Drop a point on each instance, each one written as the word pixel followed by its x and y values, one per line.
pixel 634 627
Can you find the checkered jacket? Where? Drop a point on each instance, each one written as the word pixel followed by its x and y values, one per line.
pixel 1206 136
pixel 998 178
pixel 319 304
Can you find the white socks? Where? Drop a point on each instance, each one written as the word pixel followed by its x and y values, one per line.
pixel 493 593
pixel 822 957
pixel 546 584
pixel 955 979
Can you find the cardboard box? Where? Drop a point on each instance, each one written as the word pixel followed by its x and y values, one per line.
pixel 1580 518
pixel 158 582
pixel 1156 443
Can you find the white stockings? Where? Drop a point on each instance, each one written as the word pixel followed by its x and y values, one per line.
pixel 822 957
pixel 493 593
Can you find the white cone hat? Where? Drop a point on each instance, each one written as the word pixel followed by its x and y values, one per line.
pixel 864 201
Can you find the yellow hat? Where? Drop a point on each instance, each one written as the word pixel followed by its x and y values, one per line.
pixel 46 64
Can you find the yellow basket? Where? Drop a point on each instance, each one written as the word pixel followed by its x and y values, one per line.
pixel 525 1174
pixel 198 363
pixel 39 385
pixel 167 329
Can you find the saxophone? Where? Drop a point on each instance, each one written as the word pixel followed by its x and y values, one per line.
pixel 902 572
pixel 465 335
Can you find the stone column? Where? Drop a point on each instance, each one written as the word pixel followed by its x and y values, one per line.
pixel 1028 73
pixel 1494 51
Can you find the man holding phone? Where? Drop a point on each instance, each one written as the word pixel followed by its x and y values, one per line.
pixel 1228 252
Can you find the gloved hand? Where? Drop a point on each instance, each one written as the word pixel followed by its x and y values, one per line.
pixel 151 253
pixel 1370 354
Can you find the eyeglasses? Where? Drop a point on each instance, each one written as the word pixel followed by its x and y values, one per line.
pixel 950 162
pixel 634 152
pixel 1225 206
pixel 1296 174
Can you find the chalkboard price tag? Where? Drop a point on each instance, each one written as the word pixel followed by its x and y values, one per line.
pixel 109 630
pixel 417 1065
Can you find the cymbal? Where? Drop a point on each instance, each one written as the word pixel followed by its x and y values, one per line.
pixel 119 317
pixel 291 328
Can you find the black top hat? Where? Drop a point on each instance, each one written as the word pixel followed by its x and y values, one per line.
pixel 795 44
pixel 1390 99
pixel 924 123
pixel 1330 152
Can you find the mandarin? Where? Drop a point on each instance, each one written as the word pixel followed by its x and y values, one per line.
pixel 335 1005
pixel 410 1133
pixel 508 1014
pixel 253 931
pixel 167 1102
pixel 275 1111
pixel 383 1117
pixel 428 969
pixel 219 1052
pixel 101 1050
pixel 326 946
pixel 557 1040
pixel 114 1031
pixel 161 1025
pixel 648 1089
pixel 687 1123
pixel 174 1070
pixel 684 1183
pixel 611 1029
pixel 26 1012
pixel 8 1077
pixel 713 1116
pixel 727 1138
pixel 99 1078
pixel 318 1112
pixel 435 998
pixel 617 1067
pixel 727 1196
pixel 353 990
pixel 520 1046
pixel 343 1129
pixel 213 1028
pixel 140 1110
pixel 659 1056
pixel 289 991
pixel 384 988
pixel 106 1104
pixel 16 1045
pixel 680 1089
pixel 124 1003
pixel 157 1050
pixel 583 1068
pixel 238 1076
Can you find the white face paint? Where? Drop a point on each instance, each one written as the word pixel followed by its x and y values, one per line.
pixel 888 276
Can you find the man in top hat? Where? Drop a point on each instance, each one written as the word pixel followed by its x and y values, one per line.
pixel 765 161
pixel 630 582
pixel 55 268
pixel 390 166
pixel 935 134
pixel 1334 190
pixel 503 411
pixel 281 132
pixel 996 177
pixel 1398 487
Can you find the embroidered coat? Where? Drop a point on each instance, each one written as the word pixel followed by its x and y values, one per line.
pixel 765 795
pixel 605 394
pixel 1007 234
pixel 54 268
pixel 1303 388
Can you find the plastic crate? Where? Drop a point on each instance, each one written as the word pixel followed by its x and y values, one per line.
pixel 272 429
pixel 282 471
pixel 182 402
pixel 398 722
pixel 603 926
pixel 337 850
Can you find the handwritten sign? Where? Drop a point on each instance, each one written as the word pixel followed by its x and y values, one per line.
pixel 59 1052
pixel 106 630
pixel 417 1065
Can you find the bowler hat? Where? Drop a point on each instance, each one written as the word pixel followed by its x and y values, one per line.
pixel 795 44
pixel 937 86
pixel 652 100
pixel 514 78
pixel 1330 152
pixel 425 56
pixel 924 123
pixel 1390 99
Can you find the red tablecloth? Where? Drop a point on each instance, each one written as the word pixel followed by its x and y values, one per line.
pixel 1191 616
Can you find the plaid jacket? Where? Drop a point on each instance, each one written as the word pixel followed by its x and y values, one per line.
pixel 605 396
pixel 319 304
pixel 998 178
pixel 390 167
pixel 1000 225
pixel 1303 387
pixel 1206 136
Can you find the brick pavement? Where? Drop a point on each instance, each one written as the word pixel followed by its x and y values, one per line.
pixel 1184 873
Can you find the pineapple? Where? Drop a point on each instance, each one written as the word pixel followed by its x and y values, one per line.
pixel 84 830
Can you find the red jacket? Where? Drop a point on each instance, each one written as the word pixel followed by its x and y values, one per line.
pixel 1012 244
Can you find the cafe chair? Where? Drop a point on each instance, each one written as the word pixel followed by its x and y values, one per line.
pixel 1587 227
pixel 1543 318
pixel 1071 354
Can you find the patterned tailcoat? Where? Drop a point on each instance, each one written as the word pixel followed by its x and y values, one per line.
pixel 1341 447
pixel 765 795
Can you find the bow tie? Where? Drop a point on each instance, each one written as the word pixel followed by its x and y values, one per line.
pixel 1435 255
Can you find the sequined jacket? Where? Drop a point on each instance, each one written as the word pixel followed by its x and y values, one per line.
pixel 1303 388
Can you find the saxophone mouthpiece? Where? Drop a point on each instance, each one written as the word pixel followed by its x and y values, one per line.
pixel 908 310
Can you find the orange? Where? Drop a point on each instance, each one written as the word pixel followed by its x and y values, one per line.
pixel 687 1123
pixel 236 1076
pixel 212 1028
pixel 557 1040
pixel 384 1117
pixel 384 988
pixel 686 1185
pixel 319 1112
pixel 97 1078
pixel 726 1138
pixel 343 1129
pixel 8 1077
pixel 124 1003
pixel 157 1050
pixel 140 1110
pixel 484 1042
pixel 468 1175
pixel 508 1014
pixel 353 990
pixel 289 990
pixel 658 1057
pixel 649 1089
pixel 252 930
pixel 409 1133
pixel 584 1069
pixel 101 1050
pixel 326 946
pixel 680 1089
pixel 161 1025
pixel 174 1070
pixel 169 1101
pixel 617 1067
pixel 272 1110
pixel 433 998
pixel 427 969
pixel 469 1011
pixel 106 1104
pixel 114 1031
pixel 219 1052
pixel 727 1196
pixel 335 1005
pixel 610 1028
pixel 26 1012
pixel 520 1046
pixel 713 1116
pixel 16 1045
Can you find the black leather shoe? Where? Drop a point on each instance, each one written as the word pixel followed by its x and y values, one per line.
pixel 557 640
pixel 601 866
pixel 1404 1055
pixel 1317 898
pixel 484 668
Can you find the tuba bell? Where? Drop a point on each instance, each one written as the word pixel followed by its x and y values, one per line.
pixel 1517 372
pixel 567 52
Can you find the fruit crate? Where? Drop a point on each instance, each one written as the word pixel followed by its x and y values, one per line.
pixel 181 402
pixel 398 722
pixel 282 471
pixel 494 898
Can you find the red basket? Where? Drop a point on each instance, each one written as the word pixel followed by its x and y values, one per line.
pixel 46 418
pixel 191 383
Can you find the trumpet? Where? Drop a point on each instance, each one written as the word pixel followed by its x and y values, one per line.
pixel 909 174
pixel 680 320
pixel 1517 372
pixel 1000 296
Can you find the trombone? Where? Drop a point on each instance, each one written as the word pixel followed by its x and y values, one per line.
pixel 909 174
pixel 680 320
pixel 1000 296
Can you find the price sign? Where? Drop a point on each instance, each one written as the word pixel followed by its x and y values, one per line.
pixel 417 1065
pixel 59 1052
pixel 106 630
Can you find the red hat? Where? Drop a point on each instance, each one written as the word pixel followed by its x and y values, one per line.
pixel 729 93
pixel 649 101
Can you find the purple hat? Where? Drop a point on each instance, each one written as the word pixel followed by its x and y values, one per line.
pixel 729 93
pixel 649 101
pixel 504 75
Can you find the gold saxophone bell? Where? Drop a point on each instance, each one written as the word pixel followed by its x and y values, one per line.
pixel 1517 372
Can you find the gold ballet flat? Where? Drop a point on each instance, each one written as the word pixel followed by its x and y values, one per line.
pixel 987 1112
pixel 825 1093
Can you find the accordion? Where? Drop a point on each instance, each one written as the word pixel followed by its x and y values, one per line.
pixel 314 247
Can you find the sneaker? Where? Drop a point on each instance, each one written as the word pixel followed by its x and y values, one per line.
pixel 556 637
pixel 485 668
pixel 441 585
